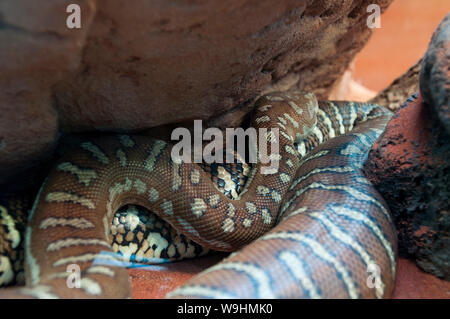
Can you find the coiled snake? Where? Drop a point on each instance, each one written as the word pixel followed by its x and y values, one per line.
pixel 314 228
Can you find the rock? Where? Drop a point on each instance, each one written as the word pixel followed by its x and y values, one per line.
pixel 435 73
pixel 142 64
pixel 36 51
pixel 398 91
pixel 409 167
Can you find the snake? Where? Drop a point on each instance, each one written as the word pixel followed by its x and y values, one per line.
pixel 315 227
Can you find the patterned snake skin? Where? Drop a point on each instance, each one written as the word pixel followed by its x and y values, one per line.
pixel 315 228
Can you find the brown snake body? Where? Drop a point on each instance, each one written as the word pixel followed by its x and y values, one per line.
pixel 315 228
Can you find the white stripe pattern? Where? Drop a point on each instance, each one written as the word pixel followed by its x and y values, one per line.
pixel 64 197
pixel 264 289
pixel 344 169
pixel 326 120
pixel 84 175
pixel 295 265
pixel 339 118
pixel 69 242
pixel 157 147
pixel 201 292
pixel 350 241
pixel 358 216
pixel 348 189
pixel 323 254
pixel 96 152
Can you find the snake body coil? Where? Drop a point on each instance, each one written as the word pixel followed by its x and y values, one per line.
pixel 315 228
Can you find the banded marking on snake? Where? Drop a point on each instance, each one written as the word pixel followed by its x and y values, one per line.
pixel 286 228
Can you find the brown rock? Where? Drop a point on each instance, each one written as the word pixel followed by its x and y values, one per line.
pixel 36 51
pixel 409 167
pixel 435 73
pixel 146 63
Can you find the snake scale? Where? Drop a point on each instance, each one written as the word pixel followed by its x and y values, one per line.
pixel 314 228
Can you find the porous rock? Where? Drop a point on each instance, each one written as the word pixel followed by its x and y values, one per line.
pixel 409 167
pixel 435 73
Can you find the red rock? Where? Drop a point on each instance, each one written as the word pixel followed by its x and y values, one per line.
pixel 409 167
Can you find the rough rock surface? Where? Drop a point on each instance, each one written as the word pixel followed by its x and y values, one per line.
pixel 435 74
pixel 139 64
pixel 409 167
pixel 403 87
